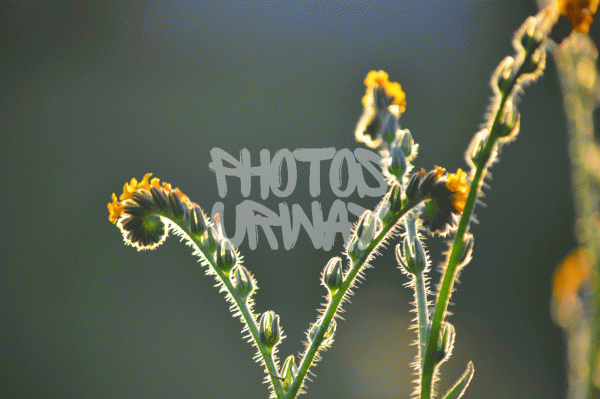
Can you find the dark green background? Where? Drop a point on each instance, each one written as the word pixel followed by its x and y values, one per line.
pixel 94 93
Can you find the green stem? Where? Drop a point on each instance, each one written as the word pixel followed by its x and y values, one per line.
pixel 422 314
pixel 420 294
pixel 246 314
pixel 334 304
pixel 454 260
pixel 447 284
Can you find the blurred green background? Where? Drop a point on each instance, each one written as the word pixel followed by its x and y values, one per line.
pixel 95 93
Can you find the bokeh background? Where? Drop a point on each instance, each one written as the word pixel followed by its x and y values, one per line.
pixel 95 93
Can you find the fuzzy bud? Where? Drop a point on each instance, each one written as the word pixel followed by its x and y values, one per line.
pixel 209 240
pixel 268 331
pixel 532 38
pixel 198 223
pixel 389 129
pixel 396 199
pixel 176 206
pixel 475 151
pixel 509 120
pixel 333 276
pixel 504 74
pixel 446 342
pixel 353 250
pixel 327 338
pixel 407 144
pixel 368 226
pixel 226 256
pixel 398 166
pixel 242 281
pixel 412 257
pixel 383 211
pixel 288 372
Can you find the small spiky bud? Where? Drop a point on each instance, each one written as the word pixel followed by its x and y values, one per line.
pixel 407 144
pixel 198 223
pixel 412 256
pixel 383 211
pixel 327 338
pixel 446 342
pixel 353 250
pixel 176 206
pixel 395 199
pixel 209 240
pixel 389 129
pixel 509 120
pixel 503 74
pixel 226 256
pixel 368 227
pixel 159 198
pixel 268 331
pixel 288 372
pixel 398 166
pixel 476 147
pixel 532 38
pixel 333 275
pixel 242 281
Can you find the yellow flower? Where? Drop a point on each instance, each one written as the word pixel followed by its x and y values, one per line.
pixel 439 171
pixel 579 12
pixel 457 183
pixel 115 209
pixel 131 187
pixel 377 79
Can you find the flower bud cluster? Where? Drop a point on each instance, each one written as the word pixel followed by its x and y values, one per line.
pixel 446 194
pixel 383 103
pixel 139 211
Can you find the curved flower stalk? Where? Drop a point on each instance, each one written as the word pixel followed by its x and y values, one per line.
pixel 435 201
pixel 442 199
pixel 147 210
pixel 502 126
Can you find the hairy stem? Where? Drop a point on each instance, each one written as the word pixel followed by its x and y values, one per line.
pixel 447 284
pixel 484 160
pixel 246 314
pixel 336 300
pixel 420 294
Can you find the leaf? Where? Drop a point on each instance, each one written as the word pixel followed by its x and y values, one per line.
pixel 461 386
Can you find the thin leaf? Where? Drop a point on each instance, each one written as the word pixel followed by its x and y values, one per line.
pixel 462 384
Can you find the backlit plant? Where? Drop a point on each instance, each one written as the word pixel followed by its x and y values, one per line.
pixel 418 203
